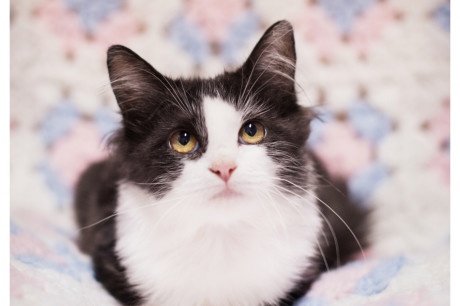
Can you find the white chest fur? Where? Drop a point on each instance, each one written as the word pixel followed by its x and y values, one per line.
pixel 174 257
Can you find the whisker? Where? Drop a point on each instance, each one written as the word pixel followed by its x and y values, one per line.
pixel 165 214
pixel 333 211
pixel 116 214
pixel 279 215
pixel 322 230
pixel 329 183
pixel 259 196
pixel 160 202
pixel 337 249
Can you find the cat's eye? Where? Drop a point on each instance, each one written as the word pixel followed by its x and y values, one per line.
pixel 183 142
pixel 251 133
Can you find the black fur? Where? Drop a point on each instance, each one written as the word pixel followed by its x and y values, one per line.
pixel 153 106
pixel 96 196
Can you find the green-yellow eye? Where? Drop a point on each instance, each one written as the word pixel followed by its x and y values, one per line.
pixel 183 142
pixel 252 133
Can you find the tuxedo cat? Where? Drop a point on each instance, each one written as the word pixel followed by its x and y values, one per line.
pixel 210 195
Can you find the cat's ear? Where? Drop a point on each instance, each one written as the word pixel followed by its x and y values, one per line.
pixel 136 85
pixel 273 59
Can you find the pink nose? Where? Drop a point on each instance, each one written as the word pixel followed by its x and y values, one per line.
pixel 223 170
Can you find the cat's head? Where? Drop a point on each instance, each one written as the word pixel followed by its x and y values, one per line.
pixel 239 134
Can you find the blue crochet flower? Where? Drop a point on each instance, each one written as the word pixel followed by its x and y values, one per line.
pixel 93 12
pixel 45 263
pixel 324 116
pixel 106 121
pixel 58 121
pixel 442 16
pixel 14 228
pixel 245 26
pixel 379 277
pixel 362 184
pixel 344 12
pixel 369 123
pixel 72 261
pixel 189 37
pixel 311 301
pixel 55 184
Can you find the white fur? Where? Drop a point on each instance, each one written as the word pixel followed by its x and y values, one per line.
pixel 196 247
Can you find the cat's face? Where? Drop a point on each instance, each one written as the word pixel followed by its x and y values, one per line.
pixel 240 135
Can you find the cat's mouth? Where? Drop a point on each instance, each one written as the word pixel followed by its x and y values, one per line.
pixel 226 193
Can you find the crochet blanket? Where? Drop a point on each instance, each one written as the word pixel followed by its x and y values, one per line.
pixel 48 269
pixel 377 72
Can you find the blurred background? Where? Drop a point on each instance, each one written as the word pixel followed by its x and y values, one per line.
pixel 376 70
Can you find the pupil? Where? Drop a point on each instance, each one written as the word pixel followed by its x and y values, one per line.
pixel 250 129
pixel 183 138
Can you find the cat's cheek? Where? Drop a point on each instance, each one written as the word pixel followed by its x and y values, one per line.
pixel 196 180
pixel 256 170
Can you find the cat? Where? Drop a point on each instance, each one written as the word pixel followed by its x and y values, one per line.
pixel 211 195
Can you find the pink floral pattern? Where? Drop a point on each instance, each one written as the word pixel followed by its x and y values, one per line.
pixel 69 157
pixel 441 165
pixel 343 163
pixel 19 281
pixel 214 17
pixel 63 23
pixel 369 27
pixel 337 284
pixel 439 125
pixel 317 26
pixel 117 28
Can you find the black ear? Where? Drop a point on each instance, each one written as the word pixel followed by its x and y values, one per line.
pixel 272 62
pixel 136 84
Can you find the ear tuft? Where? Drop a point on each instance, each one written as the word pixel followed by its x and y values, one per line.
pixel 129 74
pixel 275 55
pixel 136 85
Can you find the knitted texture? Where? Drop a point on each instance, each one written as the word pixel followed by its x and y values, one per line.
pixel 377 73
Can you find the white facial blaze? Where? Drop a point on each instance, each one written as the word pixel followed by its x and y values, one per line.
pixel 195 247
pixel 223 123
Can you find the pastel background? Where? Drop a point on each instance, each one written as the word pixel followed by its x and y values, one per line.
pixel 376 70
